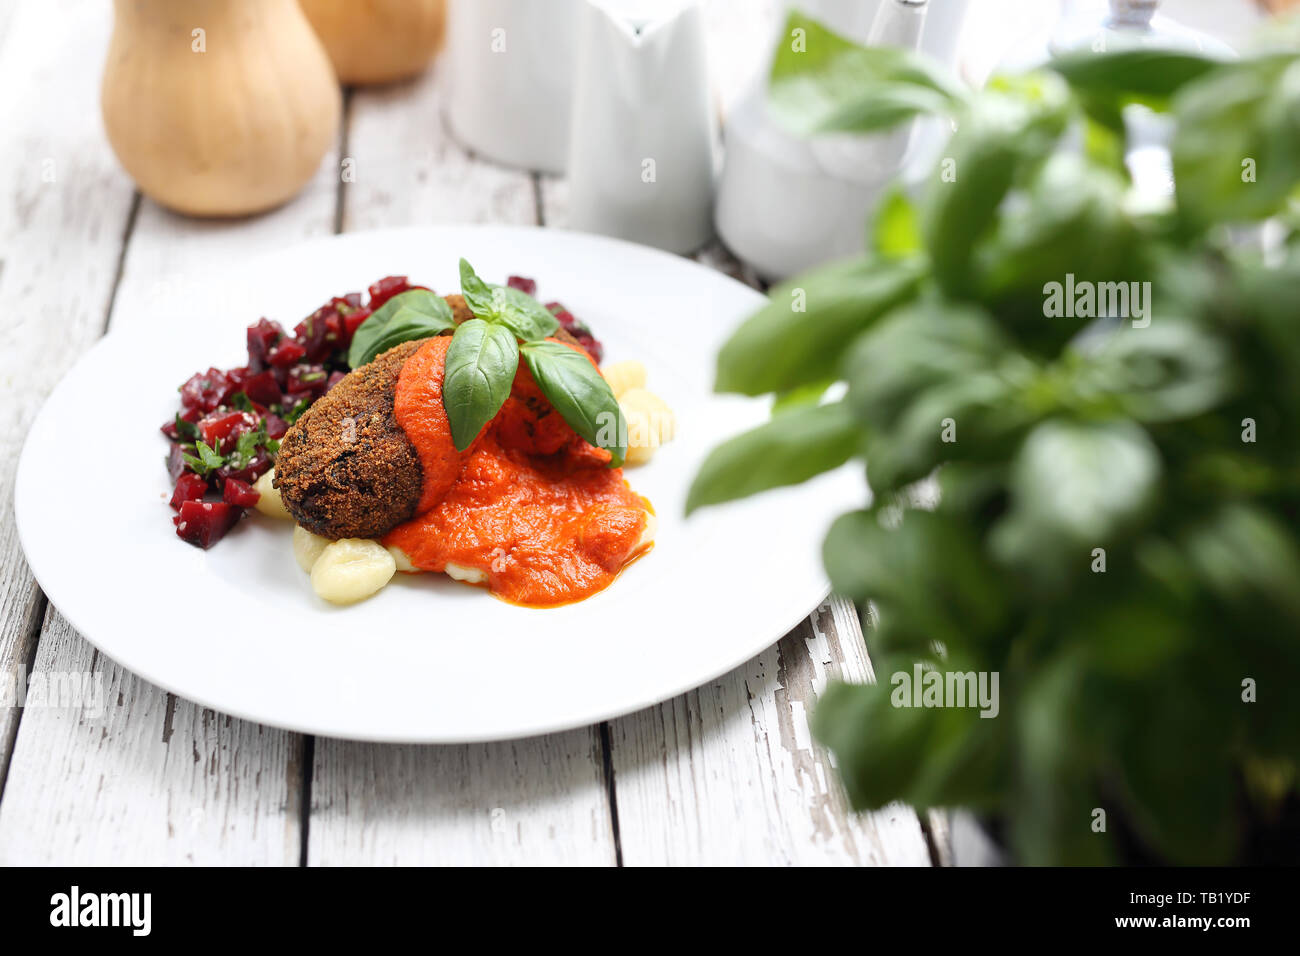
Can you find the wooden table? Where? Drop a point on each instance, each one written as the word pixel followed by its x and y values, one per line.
pixel 725 774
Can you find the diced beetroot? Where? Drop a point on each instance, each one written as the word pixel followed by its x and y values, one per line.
pixel 334 379
pixel 275 425
pixel 175 461
pixel 204 523
pixel 222 429
pixel 351 322
pixel 189 487
pixel 262 388
pixel 524 285
pixel 594 348
pixel 235 381
pixel 205 390
pixel 321 333
pixel 190 415
pixel 566 318
pixel 308 379
pixel 239 493
pixel 259 465
pixel 385 289
pixel 287 353
pixel 348 302
pixel 262 337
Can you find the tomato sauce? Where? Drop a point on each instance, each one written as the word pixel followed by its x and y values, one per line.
pixel 530 504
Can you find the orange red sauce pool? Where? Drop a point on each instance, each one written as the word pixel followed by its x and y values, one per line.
pixel 530 504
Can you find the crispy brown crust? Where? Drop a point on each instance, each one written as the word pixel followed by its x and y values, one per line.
pixel 459 309
pixel 358 480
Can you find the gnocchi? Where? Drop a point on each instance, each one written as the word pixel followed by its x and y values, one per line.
pixel 650 423
pixel 624 376
pixel 269 501
pixel 402 560
pixel 459 572
pixel 352 569
pixel 307 547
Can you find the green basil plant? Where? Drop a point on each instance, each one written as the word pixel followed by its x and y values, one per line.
pixel 1105 389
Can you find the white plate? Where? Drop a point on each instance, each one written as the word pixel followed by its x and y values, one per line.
pixel 238 629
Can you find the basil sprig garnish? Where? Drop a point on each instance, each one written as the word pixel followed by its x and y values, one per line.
pixel 407 316
pixel 480 369
pixel 577 390
pixel 484 356
pixel 518 311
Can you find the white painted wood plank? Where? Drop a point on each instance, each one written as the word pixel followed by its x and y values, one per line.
pixel 729 774
pixel 66 206
pixel 143 779
pixel 537 801
pixel 161 780
pixel 410 171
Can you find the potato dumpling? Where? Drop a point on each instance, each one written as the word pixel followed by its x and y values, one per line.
pixel 650 423
pixel 624 376
pixel 459 572
pixel 307 547
pixel 352 569
pixel 269 501
pixel 402 560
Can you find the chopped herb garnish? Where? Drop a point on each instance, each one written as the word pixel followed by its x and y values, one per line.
pixel 296 412
pixel 187 430
pixel 207 461
pixel 241 401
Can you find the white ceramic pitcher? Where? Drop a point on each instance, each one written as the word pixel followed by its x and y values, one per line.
pixel 510 79
pixel 786 204
pixel 643 130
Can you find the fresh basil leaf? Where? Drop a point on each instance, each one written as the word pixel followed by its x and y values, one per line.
pixel 821 82
pixel 965 756
pixel 1236 149
pixel 1076 486
pixel 433 308
pixel 800 397
pixel 799 336
pixel 895 230
pixel 477 293
pixel 577 390
pixel 406 325
pixel 1013 126
pixel 480 368
pixel 927 573
pixel 1146 74
pixel 516 310
pixel 791 448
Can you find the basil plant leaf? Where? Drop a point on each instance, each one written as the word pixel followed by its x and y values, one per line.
pixel 577 390
pixel 1237 147
pixel 1074 487
pixel 799 336
pixel 433 308
pixel 1143 75
pixel 480 368
pixel 793 447
pixel 516 310
pixel 1012 127
pixel 821 82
